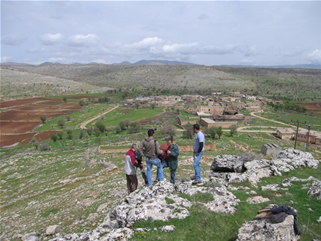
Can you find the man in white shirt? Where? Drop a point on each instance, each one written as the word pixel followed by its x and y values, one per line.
pixel 198 151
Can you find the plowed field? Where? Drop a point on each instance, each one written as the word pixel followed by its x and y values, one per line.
pixel 312 107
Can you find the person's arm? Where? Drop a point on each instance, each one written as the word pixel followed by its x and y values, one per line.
pixel 133 160
pixel 174 151
pixel 140 149
pixel 158 151
pixel 201 144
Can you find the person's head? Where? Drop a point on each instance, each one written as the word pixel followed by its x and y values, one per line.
pixel 169 141
pixel 150 132
pixel 134 147
pixel 196 128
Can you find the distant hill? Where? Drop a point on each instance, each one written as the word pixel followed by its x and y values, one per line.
pixel 155 62
pixel 14 64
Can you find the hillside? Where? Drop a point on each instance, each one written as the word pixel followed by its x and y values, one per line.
pixel 190 79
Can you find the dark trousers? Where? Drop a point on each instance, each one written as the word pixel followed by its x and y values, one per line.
pixel 132 183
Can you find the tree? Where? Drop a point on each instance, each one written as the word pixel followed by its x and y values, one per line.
pixel 43 119
pixel 100 125
pixel 137 105
pixel 134 127
pixel 219 131
pixel 124 96
pixel 61 123
pixel 96 132
pixel 54 137
pixel 122 125
pixel 169 130
pixel 34 142
pixel 64 99
pixel 117 129
pixel 60 134
pixel 90 131
pixel 233 130
pixel 212 132
pixel 68 117
pixel 188 132
pixel 81 134
pixel 127 122
pixel 153 105
pixel 81 103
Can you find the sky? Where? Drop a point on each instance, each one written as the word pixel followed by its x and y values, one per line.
pixel 261 33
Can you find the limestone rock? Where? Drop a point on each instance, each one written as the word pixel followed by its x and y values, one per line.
pixel 257 200
pixel 264 230
pixel 53 229
pixel 92 217
pixel 272 187
pixel 315 190
pixel 168 228
pixel 121 234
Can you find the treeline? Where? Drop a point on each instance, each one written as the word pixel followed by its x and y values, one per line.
pixel 287 106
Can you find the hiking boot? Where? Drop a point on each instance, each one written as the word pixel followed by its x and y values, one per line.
pixel 196 182
pixel 192 177
pixel 155 181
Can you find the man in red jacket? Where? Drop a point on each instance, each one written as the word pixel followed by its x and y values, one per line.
pixel 130 169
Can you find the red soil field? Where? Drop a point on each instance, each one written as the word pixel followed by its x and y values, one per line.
pixel 7 140
pixel 20 127
pixel 312 107
pixel 24 115
pixel 25 101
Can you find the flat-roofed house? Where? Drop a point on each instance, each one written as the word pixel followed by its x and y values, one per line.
pixel 285 133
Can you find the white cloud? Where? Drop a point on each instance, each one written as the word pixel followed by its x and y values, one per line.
pixel 315 56
pixel 6 59
pixel 80 40
pixel 146 44
pixel 13 39
pixel 54 60
pixel 51 39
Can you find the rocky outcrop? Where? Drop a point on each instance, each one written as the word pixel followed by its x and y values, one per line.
pixel 161 202
pixel 315 190
pixel 264 230
pixel 232 169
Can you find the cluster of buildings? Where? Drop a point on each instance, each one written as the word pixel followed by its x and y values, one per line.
pixel 303 135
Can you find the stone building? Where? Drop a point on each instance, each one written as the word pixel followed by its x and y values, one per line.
pixel 270 149
pixel 285 133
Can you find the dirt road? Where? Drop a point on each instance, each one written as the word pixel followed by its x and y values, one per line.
pixel 83 125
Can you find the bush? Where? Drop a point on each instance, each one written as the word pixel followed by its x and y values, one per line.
pixel 96 132
pixel 54 137
pixel 122 125
pixel 60 134
pixel 81 103
pixel 64 99
pixel 100 125
pixel 188 132
pixel 70 136
pixel 134 127
pixel 61 123
pixel 68 117
pixel 127 122
pixel 169 130
pixel 34 142
pixel 90 131
pixel 233 130
pixel 43 119
pixel 81 134
pixel 44 147
pixel 117 129
pixel 219 131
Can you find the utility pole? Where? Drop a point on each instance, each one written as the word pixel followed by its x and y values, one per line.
pixel 308 137
pixel 296 135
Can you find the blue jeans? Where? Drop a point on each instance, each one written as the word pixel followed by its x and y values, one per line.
pixel 173 172
pixel 197 166
pixel 159 166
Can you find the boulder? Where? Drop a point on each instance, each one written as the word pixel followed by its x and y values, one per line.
pixel 168 228
pixel 264 230
pixel 53 229
pixel 315 190
pixel 257 200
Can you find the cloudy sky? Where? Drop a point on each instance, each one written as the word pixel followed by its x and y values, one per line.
pixel 201 32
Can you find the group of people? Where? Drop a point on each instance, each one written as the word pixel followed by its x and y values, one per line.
pixel 150 148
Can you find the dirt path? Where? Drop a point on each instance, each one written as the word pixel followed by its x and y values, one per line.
pixel 253 114
pixel 83 125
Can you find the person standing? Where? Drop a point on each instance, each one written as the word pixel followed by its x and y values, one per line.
pixel 198 151
pixel 150 149
pixel 173 153
pixel 130 169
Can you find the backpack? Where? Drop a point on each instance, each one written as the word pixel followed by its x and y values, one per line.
pixel 278 218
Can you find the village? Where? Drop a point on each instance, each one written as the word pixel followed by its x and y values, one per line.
pixel 217 111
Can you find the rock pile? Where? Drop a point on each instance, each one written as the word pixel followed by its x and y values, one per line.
pixel 231 169
pixel 161 202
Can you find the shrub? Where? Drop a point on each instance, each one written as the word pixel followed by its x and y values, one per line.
pixel 61 123
pixel 44 147
pixel 233 130
pixel 54 137
pixel 34 142
pixel 100 125
pixel 81 134
pixel 219 131
pixel 96 132
pixel 117 129
pixel 60 134
pixel 68 117
pixel 169 130
pixel 64 99
pixel 188 132
pixel 127 122
pixel 122 125
pixel 90 131
pixel 81 103
pixel 70 136
pixel 43 119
